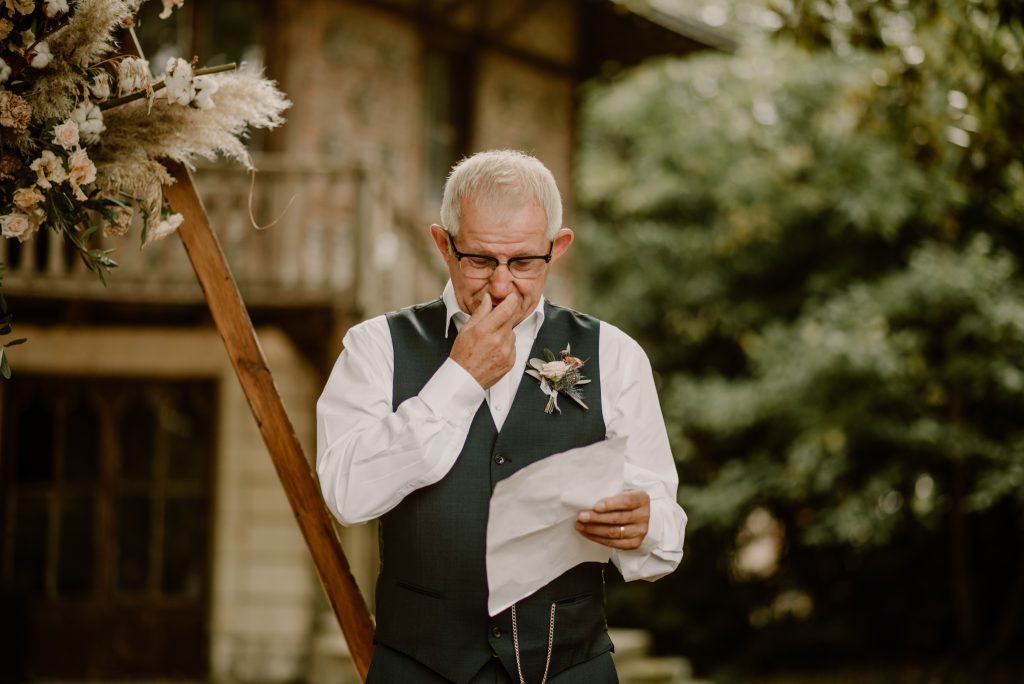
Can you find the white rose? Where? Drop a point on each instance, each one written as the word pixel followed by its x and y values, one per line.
pixel 66 135
pixel 554 370
pixel 5 71
pixel 17 226
pixel 81 171
pixel 49 169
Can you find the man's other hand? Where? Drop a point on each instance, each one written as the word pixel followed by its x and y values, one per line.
pixel 486 345
pixel 619 521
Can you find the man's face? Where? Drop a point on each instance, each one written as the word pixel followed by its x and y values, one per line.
pixel 501 231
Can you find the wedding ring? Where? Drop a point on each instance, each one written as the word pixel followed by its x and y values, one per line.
pixel 622 531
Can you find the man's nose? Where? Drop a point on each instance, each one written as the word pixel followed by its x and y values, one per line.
pixel 501 282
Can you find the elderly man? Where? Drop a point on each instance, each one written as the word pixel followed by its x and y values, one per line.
pixel 427 408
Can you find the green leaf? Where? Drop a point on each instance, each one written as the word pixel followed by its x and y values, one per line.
pixel 577 399
pixel 5 368
pixel 15 343
pixel 549 355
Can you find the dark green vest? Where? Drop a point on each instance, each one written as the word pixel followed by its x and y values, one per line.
pixel 432 588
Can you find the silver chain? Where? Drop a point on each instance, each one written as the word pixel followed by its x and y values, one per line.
pixel 515 645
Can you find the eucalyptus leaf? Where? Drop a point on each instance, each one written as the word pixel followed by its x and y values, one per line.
pixel 578 400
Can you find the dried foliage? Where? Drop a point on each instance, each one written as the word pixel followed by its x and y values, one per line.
pixel 164 130
pixel 83 129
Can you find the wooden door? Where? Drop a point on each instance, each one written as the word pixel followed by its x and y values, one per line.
pixel 105 514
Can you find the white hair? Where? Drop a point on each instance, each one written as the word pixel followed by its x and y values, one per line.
pixel 501 176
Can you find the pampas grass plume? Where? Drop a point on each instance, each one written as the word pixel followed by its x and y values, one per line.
pixel 185 134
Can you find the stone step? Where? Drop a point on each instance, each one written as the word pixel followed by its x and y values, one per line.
pixel 636 666
pixel 332 663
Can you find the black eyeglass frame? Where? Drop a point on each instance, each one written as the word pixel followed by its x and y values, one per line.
pixel 494 260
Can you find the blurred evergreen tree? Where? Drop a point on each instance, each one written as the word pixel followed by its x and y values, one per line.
pixel 818 241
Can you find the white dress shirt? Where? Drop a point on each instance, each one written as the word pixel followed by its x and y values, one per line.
pixel 369 457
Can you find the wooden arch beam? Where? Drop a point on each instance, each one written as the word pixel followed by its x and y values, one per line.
pixel 232 320
pixel 235 327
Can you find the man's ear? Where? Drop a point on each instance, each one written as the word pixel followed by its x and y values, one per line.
pixel 563 239
pixel 440 237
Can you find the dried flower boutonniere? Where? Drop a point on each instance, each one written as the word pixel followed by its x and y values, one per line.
pixel 559 376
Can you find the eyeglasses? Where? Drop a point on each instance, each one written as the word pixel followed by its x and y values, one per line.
pixel 482 267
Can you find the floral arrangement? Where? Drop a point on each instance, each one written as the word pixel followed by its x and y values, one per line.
pixel 559 375
pixel 83 128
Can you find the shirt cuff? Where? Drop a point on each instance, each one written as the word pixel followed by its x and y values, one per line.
pixel 662 548
pixel 453 393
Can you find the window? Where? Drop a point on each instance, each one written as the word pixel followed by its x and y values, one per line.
pixel 215 32
pixel 448 80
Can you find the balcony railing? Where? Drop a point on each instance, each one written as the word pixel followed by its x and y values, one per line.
pixel 340 241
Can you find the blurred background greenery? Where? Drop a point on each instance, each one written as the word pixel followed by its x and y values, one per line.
pixel 818 241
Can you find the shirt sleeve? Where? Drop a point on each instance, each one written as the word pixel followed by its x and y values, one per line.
pixel 368 457
pixel 629 401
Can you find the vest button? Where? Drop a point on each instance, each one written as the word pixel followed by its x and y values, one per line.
pixel 496 632
pixel 499 458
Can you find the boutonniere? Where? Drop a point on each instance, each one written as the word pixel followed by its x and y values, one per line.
pixel 559 375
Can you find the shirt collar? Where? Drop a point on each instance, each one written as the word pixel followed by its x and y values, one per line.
pixel 453 311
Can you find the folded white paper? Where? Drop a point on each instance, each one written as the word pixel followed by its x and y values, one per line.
pixel 531 538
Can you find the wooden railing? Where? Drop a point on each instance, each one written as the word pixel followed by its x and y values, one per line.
pixel 340 241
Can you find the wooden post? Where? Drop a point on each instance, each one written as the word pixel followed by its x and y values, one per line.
pixel 233 322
